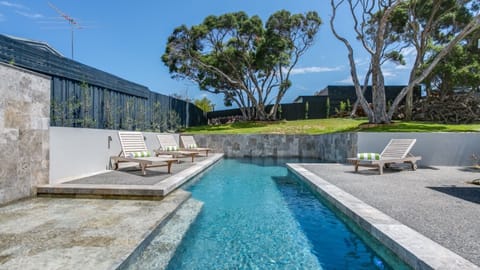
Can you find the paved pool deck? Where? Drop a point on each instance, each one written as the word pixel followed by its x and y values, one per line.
pixel 410 207
pixel 61 233
pixel 85 233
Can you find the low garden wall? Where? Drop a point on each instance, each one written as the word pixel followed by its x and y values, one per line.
pixel 24 136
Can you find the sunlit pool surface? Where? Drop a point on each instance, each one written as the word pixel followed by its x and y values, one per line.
pixel 257 215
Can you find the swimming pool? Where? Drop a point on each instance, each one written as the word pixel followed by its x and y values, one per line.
pixel 257 215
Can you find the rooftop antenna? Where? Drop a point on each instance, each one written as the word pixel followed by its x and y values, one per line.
pixel 73 24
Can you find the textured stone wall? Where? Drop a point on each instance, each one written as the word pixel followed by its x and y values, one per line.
pixel 24 136
pixel 328 147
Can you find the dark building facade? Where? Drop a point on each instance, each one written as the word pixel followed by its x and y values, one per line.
pixel 83 96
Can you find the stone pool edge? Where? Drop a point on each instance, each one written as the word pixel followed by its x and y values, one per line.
pixel 413 248
pixel 173 183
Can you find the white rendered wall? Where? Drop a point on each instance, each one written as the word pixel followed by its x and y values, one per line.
pixel 77 152
pixel 436 148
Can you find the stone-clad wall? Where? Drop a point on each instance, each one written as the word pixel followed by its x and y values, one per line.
pixel 328 147
pixel 24 136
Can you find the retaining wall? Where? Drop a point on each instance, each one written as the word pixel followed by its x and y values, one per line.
pixel 328 147
pixel 24 136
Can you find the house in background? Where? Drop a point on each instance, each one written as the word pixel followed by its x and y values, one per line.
pixel 345 93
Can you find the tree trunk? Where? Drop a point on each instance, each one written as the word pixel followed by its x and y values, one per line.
pixel 409 105
pixel 378 95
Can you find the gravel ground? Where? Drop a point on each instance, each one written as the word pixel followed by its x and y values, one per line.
pixel 436 201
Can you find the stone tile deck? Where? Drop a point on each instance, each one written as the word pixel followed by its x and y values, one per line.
pixel 129 182
pixel 64 233
pixel 411 207
pixel 61 233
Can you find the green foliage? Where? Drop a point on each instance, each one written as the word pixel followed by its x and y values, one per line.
pixel 306 110
pixel 204 104
pixel 237 56
pixel 109 112
pixel 12 61
pixel 280 111
pixel 173 121
pixel 327 106
pixel 86 104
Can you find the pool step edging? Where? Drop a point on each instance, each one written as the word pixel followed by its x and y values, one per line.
pixel 183 196
pixel 412 247
pixel 170 184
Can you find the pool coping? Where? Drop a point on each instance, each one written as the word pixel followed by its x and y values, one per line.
pixel 413 248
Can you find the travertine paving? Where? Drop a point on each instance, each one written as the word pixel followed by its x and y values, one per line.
pixel 52 233
pixel 66 233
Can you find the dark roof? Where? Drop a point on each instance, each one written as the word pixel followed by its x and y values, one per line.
pixel 38 44
pixel 40 57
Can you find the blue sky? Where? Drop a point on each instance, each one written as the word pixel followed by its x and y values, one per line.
pixel 127 38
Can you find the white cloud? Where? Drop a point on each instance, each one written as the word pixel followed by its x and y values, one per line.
pixel 306 70
pixel 346 80
pixel 30 15
pixel 409 51
pixel 362 61
pixel 401 67
pixel 2 18
pixel 389 73
pixel 12 5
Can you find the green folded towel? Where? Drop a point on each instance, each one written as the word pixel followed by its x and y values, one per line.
pixel 368 156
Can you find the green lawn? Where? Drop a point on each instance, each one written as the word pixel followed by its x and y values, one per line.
pixel 322 126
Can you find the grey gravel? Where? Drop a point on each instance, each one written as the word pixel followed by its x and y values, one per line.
pixel 438 202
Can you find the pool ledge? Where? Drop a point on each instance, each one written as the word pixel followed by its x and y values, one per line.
pixel 412 247
pixel 158 190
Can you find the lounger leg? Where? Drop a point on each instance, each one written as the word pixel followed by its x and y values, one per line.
pixel 356 166
pixel 169 166
pixel 380 168
pixel 206 153
pixel 143 166
pixel 414 166
pixel 193 157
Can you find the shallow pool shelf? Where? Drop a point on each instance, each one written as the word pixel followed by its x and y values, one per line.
pixel 127 184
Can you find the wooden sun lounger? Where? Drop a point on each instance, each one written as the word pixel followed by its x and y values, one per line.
pixel 166 141
pixel 188 141
pixel 396 151
pixel 133 142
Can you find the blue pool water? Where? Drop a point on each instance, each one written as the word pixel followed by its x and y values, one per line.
pixel 257 215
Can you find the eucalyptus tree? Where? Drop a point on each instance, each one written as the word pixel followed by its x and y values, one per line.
pixel 238 56
pixel 385 28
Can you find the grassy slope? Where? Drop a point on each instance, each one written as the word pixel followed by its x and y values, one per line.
pixel 321 126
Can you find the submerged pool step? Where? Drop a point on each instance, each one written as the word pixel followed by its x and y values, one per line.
pixel 102 188
pixel 102 191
